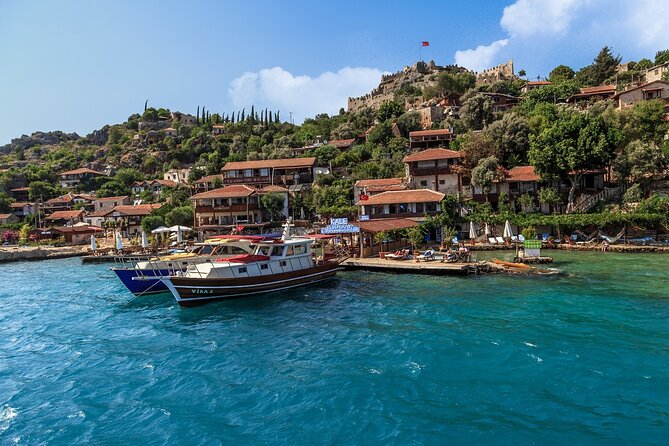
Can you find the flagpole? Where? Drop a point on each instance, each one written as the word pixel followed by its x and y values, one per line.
pixel 420 52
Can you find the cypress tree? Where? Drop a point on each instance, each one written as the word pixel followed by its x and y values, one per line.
pixel 146 104
pixel 252 114
pixel 243 114
pixel 197 116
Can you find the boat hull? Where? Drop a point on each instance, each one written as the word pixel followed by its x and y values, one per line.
pixel 190 291
pixel 142 282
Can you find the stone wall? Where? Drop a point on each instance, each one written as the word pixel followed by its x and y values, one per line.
pixel 494 74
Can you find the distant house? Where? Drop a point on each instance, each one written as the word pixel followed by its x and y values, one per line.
pixel 655 73
pixel 72 178
pixel 155 186
pixel 652 90
pixel 129 217
pixel 207 182
pixel 179 176
pixel 283 192
pixel 23 209
pixel 227 206
pixel 108 203
pixel 6 219
pixel 65 218
pixel 183 118
pixel 401 204
pixel 285 172
pixel 342 144
pixel 533 85
pixel 434 169
pixel 593 93
pixel 501 102
pixel 20 193
pixel 426 139
pixel 368 188
pixel 67 201
pixel 170 131
pixel 217 130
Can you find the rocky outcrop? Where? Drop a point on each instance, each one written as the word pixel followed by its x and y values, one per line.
pixel 40 253
pixel 98 137
pixel 37 139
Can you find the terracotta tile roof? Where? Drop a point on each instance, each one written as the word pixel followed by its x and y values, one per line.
pixel 274 188
pixel 209 179
pixel 20 189
pixel 432 154
pixel 538 83
pixel 240 190
pixel 642 87
pixel 119 198
pixel 65 215
pixel 438 132
pixel 78 229
pixel 522 173
pixel 598 89
pixel 384 224
pixel 137 210
pixel 380 182
pixel 387 188
pixel 285 163
pixel 5 216
pixel 81 170
pixel 166 183
pixel 62 199
pixel 404 196
pixel 342 143
pixel 100 213
pixel 20 205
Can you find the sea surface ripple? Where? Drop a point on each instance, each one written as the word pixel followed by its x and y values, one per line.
pixel 369 358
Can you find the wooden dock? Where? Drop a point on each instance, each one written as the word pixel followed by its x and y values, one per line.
pixel 110 258
pixel 411 267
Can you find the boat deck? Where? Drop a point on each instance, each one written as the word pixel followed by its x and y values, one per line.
pixel 410 266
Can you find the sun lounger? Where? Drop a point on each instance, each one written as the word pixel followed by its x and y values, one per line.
pixel 492 240
pixel 514 238
pixel 427 255
pixel 500 240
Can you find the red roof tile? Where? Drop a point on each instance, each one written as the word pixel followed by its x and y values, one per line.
pixel 5 216
pixel 65 215
pixel 538 83
pixel 285 163
pixel 20 205
pixel 120 198
pixel 404 196
pixel 209 179
pixel 240 190
pixel 137 210
pixel 380 182
pixel 522 173
pixel 432 154
pixel 385 224
pixel 81 170
pixel 274 188
pixel 342 143
pixel 438 132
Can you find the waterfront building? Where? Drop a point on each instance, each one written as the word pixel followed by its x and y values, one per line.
pixel 155 186
pixel 207 183
pixel 65 218
pixel 129 217
pixel 587 94
pixel 23 209
pixel 401 204
pixel 227 207
pixel 179 176
pixel 435 169
pixel 368 188
pixel 109 203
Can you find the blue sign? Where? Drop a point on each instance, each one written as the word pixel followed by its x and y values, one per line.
pixel 338 221
pixel 340 229
pixel 364 218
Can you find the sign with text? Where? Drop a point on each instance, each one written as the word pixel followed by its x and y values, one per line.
pixel 340 226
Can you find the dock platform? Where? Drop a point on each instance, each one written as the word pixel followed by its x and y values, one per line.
pixel 411 267
pixel 89 259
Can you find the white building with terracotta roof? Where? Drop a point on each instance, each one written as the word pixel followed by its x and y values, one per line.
pixel 227 206
pixel 435 169
pixel 72 178
pixel 286 172
pixel 401 204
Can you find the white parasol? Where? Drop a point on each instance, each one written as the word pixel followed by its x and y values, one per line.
pixel 119 241
pixel 508 233
pixel 145 241
pixel 487 229
pixel 160 230
pixel 472 230
pixel 94 244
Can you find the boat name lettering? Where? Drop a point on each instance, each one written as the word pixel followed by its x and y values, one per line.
pixel 200 291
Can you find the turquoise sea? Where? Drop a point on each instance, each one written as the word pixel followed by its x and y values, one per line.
pixel 367 359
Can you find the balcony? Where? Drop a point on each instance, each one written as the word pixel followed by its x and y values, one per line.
pixel 425 171
pixel 223 209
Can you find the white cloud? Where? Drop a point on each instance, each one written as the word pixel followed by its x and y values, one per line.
pixel 526 18
pixel 480 58
pixel 303 95
pixel 649 23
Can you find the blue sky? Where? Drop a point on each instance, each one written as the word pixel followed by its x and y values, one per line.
pixel 77 65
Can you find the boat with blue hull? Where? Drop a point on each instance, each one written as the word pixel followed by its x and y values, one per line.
pixel 142 277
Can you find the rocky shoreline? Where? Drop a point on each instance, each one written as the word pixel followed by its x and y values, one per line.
pixel 16 254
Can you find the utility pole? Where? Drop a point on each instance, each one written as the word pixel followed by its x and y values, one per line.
pixel 290 118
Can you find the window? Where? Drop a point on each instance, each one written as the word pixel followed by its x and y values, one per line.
pixel 282 263
pixel 423 182
pixel 419 208
pixel 264 266
pixel 392 209
pixel 264 172
pixel 402 208
pixel 431 207
pixel 442 182
pixel 466 181
pixel 290 251
pixel 248 173
pixel 242 269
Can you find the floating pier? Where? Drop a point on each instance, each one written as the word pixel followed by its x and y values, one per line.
pixel 411 267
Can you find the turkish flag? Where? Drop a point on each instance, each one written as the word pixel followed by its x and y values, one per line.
pixel 240 228
pixel 364 197
pixel 425 43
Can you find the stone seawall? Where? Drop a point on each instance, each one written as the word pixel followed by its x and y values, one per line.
pixel 16 254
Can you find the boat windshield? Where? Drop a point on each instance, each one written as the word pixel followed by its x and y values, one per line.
pixel 268 250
